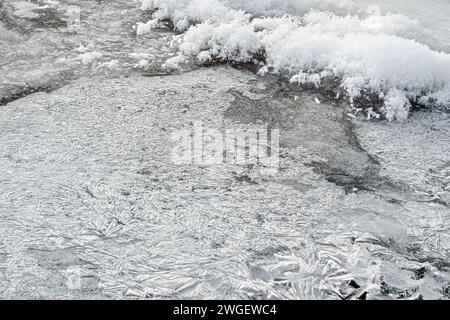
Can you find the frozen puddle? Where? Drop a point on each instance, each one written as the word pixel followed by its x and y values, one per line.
pixel 91 205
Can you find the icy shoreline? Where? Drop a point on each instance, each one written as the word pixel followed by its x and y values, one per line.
pixel 370 54
pixel 88 192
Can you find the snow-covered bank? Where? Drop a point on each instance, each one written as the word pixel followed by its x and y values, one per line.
pixel 369 53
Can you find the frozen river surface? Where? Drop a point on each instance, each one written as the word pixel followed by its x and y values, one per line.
pixel 91 205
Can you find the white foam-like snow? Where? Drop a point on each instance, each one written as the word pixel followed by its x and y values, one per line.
pixel 145 28
pixel 370 53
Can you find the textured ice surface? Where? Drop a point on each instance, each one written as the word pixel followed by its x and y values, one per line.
pixel 87 185
pixel 92 207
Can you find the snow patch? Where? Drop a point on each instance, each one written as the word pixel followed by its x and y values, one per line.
pixel 369 54
pixel 173 64
pixel 89 57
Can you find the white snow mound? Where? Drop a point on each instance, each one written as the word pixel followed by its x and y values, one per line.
pixel 369 53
